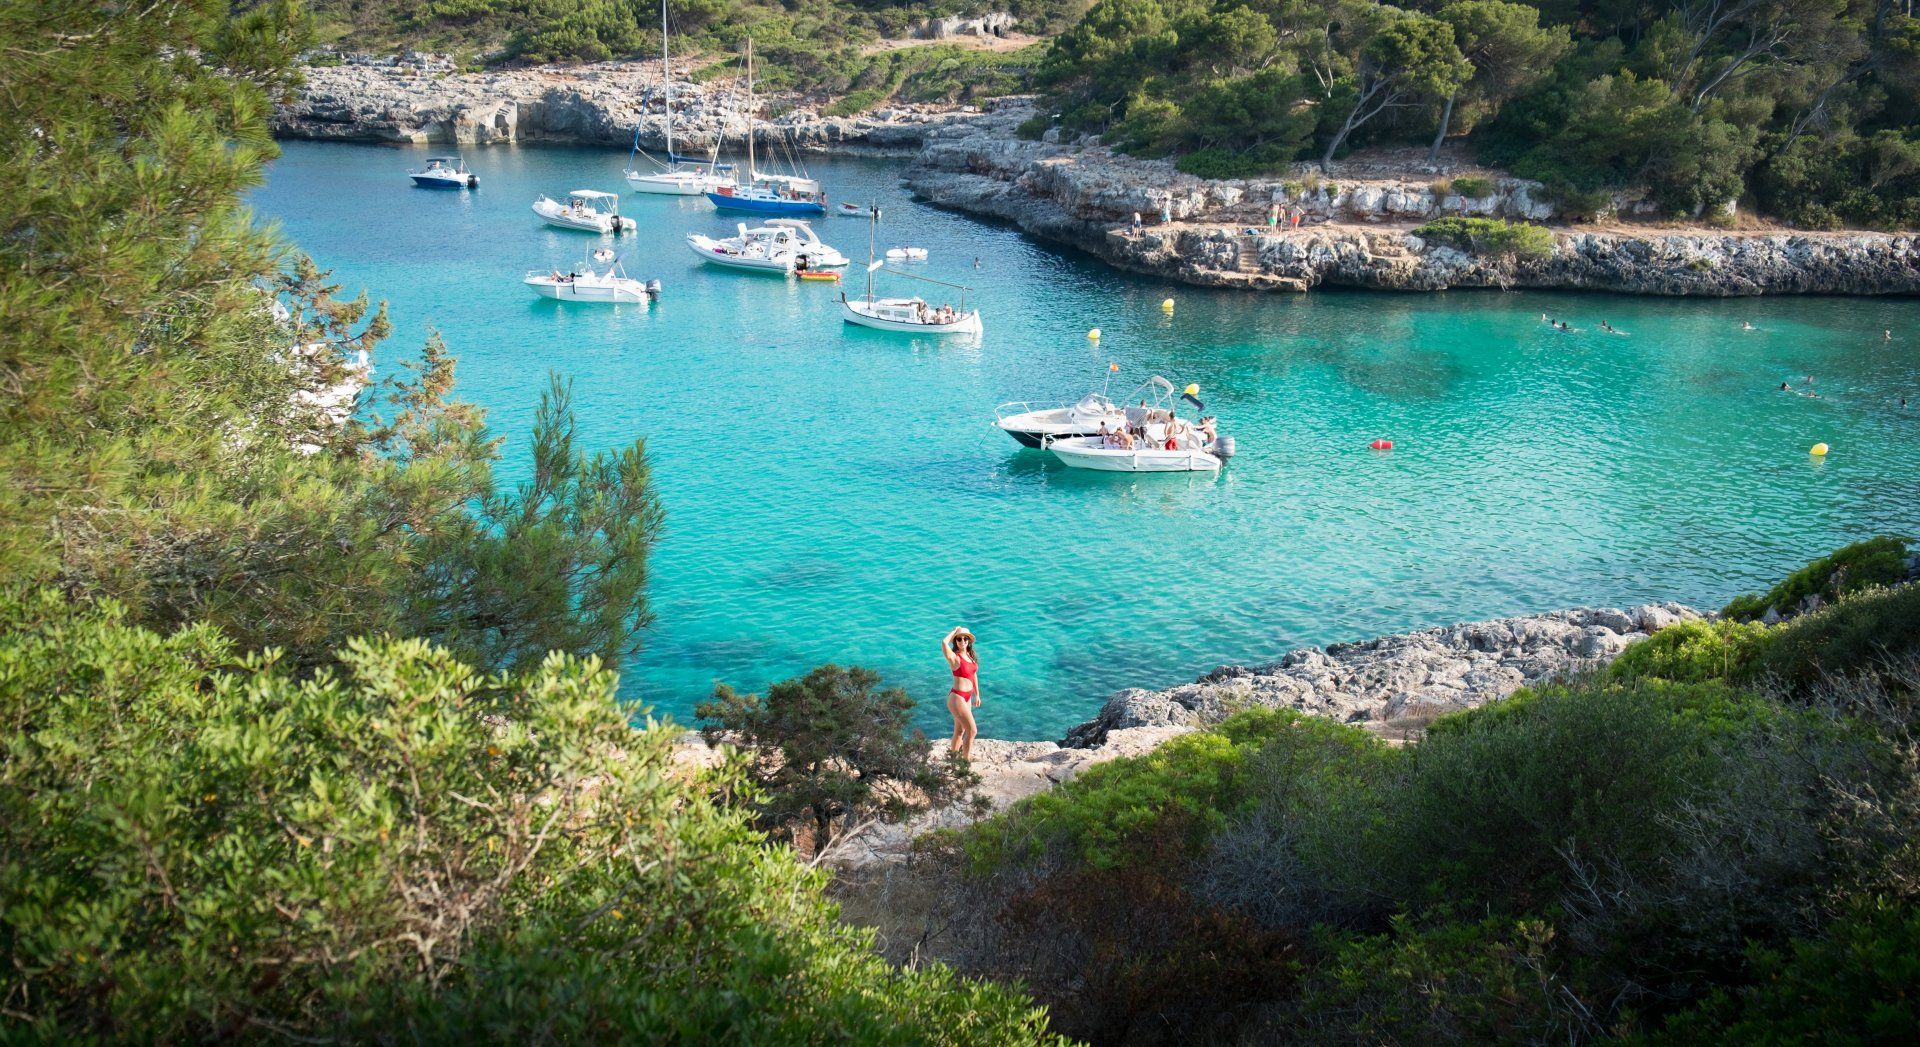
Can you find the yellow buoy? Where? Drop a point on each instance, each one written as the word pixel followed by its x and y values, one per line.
pixel 1093 335
pixel 1167 305
pixel 1819 450
pixel 1192 390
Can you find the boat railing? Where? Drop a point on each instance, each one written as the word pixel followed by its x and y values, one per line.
pixel 1017 407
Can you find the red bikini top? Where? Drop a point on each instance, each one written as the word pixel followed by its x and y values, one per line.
pixel 966 669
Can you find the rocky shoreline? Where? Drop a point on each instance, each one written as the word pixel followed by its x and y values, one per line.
pixel 1392 685
pixel 1360 232
pixel 599 104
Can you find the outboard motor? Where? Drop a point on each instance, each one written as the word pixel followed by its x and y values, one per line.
pixel 473 181
pixel 1223 448
pixel 653 288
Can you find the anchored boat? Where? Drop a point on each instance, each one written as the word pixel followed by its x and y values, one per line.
pixel 677 175
pixel 783 245
pixel 1032 427
pixel 776 194
pixel 581 211
pixel 907 315
pixel 1154 438
pixel 445 172
pixel 600 280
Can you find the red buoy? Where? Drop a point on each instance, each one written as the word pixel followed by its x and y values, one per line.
pixel 1381 445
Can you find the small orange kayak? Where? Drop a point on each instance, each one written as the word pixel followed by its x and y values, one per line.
pixel 818 274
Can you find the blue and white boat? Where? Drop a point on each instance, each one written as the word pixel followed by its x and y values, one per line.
pixel 445 172
pixel 772 194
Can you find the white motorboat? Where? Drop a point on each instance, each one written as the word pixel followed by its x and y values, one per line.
pixel 1089 452
pixel 906 315
pixel 581 211
pixel 1032 427
pixel 600 280
pixel 783 245
pixel 445 172
pixel 1150 424
pixel 676 175
pixel 910 316
pixel 906 254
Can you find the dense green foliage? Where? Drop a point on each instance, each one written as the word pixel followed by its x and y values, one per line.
pixel 1695 837
pixel 197 843
pixel 1492 237
pixel 305 730
pixel 1807 108
pixel 814 44
pixel 1862 565
pixel 830 747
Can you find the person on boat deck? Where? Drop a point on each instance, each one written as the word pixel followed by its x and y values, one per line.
pixel 920 312
pixel 963 695
pixel 1209 434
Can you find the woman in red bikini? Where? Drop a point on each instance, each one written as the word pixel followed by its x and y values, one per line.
pixel 964 696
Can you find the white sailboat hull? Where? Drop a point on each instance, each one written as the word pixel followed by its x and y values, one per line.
pixel 858 312
pixel 675 183
pixel 1086 453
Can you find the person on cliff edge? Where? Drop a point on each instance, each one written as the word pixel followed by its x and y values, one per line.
pixel 964 695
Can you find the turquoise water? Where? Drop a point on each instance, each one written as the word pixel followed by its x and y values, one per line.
pixel 835 494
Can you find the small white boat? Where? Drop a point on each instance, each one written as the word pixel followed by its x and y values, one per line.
pixel 581 211
pixel 1032 427
pixel 853 209
pixel 783 245
pixel 445 172
pixel 910 316
pixel 1087 452
pixel 603 281
pixel 906 254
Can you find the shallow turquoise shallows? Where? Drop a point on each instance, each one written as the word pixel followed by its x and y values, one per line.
pixel 836 494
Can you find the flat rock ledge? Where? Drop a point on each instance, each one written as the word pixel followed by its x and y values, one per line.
pixel 1359 232
pixel 1393 685
pixel 599 104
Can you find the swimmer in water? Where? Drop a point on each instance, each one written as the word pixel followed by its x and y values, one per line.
pixel 1786 387
pixel 1887 335
pixel 1745 326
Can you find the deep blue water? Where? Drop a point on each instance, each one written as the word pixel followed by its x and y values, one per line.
pixel 835 494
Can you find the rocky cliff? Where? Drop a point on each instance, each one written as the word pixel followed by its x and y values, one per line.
pixel 1360 233
pixel 597 104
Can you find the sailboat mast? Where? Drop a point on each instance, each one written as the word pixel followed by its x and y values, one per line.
pixel 873 232
pixel 666 80
pixel 752 173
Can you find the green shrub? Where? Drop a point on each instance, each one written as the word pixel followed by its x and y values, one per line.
pixel 1181 792
pixel 1491 237
pixel 1033 128
pixel 196 841
pixel 1876 561
pixel 1453 981
pixel 1860 635
pixel 1855 984
pixel 1693 652
pixel 1473 187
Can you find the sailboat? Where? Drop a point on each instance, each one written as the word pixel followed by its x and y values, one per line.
pixel 768 193
pixel 679 175
pixel 906 315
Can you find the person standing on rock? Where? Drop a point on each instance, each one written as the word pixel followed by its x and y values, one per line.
pixel 1136 223
pixel 964 696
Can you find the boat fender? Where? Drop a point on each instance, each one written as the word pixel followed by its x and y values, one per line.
pixel 1223 448
pixel 1381 445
